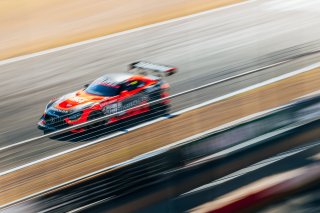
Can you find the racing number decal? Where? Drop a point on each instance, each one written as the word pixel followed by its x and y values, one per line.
pixel 125 104
pixel 78 99
pixel 111 108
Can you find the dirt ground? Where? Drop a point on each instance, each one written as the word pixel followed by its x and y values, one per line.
pixel 28 26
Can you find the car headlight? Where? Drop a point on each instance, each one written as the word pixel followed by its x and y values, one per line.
pixel 49 104
pixel 84 106
pixel 75 116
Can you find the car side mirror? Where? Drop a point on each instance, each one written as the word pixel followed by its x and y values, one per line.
pixel 86 86
pixel 124 92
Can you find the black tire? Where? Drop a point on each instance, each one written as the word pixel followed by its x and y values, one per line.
pixel 45 132
pixel 166 108
pixel 161 108
pixel 93 115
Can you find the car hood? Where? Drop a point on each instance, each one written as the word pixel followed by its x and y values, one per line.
pixel 77 100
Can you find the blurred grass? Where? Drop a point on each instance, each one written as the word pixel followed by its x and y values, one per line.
pixel 33 25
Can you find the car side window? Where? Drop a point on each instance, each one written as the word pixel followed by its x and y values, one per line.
pixel 132 85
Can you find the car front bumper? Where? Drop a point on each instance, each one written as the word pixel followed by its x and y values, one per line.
pixel 44 127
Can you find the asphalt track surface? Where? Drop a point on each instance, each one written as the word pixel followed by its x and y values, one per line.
pixel 204 48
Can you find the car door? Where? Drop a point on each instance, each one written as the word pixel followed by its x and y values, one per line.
pixel 132 95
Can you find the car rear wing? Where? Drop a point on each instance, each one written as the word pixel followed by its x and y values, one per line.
pixel 144 68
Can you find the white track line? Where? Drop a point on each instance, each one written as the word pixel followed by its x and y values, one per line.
pixel 156 152
pixel 143 156
pixel 171 96
pixel 270 81
pixel 77 44
pixel 161 150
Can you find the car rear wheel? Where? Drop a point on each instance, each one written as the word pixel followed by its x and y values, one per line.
pixel 161 108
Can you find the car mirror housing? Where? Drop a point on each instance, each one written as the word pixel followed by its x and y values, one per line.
pixel 124 92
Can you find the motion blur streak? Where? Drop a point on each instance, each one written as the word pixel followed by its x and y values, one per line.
pixel 305 69
pixel 150 166
pixel 215 45
pixel 206 48
pixel 134 143
pixel 282 77
pixel 266 191
pixel 226 186
pixel 83 21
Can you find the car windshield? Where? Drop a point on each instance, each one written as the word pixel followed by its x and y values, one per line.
pixel 102 89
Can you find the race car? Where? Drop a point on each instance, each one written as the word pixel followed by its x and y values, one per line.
pixel 123 94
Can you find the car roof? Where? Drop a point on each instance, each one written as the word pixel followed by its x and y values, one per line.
pixel 117 77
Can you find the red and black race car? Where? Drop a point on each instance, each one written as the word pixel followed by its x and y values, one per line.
pixel 110 94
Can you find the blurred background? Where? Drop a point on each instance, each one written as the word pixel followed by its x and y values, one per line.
pixel 242 133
